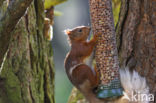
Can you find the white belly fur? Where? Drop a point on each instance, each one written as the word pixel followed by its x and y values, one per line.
pixel 89 61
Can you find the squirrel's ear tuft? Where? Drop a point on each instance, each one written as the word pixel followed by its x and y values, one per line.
pixel 68 32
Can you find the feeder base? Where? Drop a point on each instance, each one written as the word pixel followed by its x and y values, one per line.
pixel 109 93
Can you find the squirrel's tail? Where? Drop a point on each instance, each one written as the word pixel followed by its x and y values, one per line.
pixel 135 88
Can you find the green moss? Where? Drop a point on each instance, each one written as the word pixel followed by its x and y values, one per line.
pixel 22 79
pixel 11 86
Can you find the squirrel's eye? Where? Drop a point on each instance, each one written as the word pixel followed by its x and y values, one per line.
pixel 80 30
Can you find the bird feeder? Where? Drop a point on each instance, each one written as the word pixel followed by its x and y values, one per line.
pixel 106 50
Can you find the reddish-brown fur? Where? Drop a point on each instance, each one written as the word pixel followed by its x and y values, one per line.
pixel 81 75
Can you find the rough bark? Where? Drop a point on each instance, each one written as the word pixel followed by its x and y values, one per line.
pixel 15 10
pixel 28 75
pixel 137 38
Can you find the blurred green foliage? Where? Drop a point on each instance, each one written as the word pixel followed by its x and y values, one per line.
pixel 116 9
pixel 50 3
pixel 57 13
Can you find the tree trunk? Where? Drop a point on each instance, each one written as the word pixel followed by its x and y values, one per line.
pixel 136 40
pixel 28 74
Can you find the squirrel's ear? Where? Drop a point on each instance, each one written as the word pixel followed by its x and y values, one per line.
pixel 68 32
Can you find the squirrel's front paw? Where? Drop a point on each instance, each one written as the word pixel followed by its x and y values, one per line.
pixel 96 36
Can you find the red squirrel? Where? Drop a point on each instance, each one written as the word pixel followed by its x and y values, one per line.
pixel 80 71
pixel 79 62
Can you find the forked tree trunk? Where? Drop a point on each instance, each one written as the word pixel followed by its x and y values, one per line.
pixel 27 75
pixel 136 40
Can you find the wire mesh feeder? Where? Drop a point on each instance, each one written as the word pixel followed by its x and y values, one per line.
pixel 106 49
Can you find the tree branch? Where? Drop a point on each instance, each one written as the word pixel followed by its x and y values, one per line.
pixel 15 11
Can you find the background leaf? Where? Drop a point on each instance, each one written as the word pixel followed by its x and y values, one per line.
pixel 50 3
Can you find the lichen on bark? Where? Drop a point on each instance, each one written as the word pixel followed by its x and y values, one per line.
pixel 28 72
